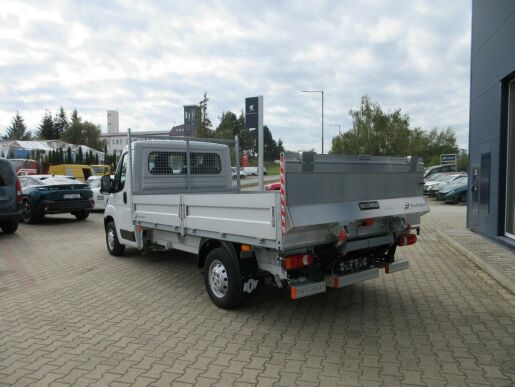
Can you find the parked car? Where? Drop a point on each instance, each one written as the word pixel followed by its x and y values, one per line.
pixel 10 198
pixel 243 174
pixel 48 194
pixel 99 198
pixel 273 187
pixel 439 169
pixel 253 171
pixel 432 191
pixel 443 177
pixel 442 191
pixel 456 193
pixel 80 172
pixel 101 169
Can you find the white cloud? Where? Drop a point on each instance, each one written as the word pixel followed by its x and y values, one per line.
pixel 147 59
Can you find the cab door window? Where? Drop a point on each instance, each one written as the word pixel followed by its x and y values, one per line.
pixel 121 174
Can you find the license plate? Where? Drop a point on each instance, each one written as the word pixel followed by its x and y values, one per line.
pixel 71 196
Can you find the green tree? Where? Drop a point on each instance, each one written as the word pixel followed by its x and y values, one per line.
pixel 68 159
pixel 17 130
pixel 280 148
pixel 463 161
pixel 271 152
pixel 229 126
pixel 80 157
pixel 46 130
pixel 91 135
pixel 73 134
pixel 60 159
pixel 61 123
pixel 205 125
pixel 375 132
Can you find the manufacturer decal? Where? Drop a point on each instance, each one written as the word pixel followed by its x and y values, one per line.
pixel 373 205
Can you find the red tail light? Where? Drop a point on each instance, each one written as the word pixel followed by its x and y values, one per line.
pixel 406 240
pixel 368 222
pixel 19 194
pixel 297 261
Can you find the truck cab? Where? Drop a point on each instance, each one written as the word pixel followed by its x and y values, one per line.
pixel 164 168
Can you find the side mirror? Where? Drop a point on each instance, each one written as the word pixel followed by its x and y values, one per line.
pixel 105 185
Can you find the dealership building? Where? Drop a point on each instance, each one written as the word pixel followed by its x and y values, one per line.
pixel 491 204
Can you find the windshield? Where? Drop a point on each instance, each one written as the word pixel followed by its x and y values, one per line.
pixel 449 178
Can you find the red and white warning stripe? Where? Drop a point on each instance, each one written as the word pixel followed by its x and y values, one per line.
pixel 283 195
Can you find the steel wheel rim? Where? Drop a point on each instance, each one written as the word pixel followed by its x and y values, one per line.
pixel 218 280
pixel 110 239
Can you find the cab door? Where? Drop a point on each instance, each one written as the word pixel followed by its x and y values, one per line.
pixel 119 204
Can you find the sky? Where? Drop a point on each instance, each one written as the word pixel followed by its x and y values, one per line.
pixel 148 59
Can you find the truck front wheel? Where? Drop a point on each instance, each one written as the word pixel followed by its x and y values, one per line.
pixel 222 279
pixel 113 245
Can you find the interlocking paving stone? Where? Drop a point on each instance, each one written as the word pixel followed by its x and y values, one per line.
pixel 70 314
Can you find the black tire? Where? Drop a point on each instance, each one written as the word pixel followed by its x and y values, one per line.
pixel 463 197
pixel 9 227
pixel 30 214
pixel 81 215
pixel 222 279
pixel 114 246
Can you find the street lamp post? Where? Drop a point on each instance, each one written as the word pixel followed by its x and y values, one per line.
pixel 321 92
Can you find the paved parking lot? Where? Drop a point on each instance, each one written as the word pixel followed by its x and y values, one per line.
pixel 70 314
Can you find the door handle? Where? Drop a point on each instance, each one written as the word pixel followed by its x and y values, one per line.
pixel 125 197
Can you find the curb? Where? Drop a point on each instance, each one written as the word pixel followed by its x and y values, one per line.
pixel 486 267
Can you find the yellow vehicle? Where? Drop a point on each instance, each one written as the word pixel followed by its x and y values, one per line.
pixel 80 172
pixel 101 170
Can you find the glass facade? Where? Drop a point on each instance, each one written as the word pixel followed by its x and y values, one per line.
pixel 510 170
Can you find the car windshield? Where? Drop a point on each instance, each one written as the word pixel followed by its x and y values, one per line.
pixel 451 178
pixel 433 177
pixel 461 180
pixel 445 178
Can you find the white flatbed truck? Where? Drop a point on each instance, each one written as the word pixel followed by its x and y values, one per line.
pixel 336 221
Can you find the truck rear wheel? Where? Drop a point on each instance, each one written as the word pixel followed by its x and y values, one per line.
pixel 113 245
pixel 222 279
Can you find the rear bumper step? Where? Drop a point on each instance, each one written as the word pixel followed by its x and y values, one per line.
pixel 335 281
pixel 306 289
pixel 396 266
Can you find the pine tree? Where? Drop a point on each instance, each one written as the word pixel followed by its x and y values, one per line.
pixel 61 123
pixel 79 159
pixel 73 134
pixel 60 160
pixel 46 130
pixel 204 127
pixel 69 156
pixel 18 129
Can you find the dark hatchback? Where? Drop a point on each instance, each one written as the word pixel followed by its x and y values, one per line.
pixel 47 194
pixel 10 198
